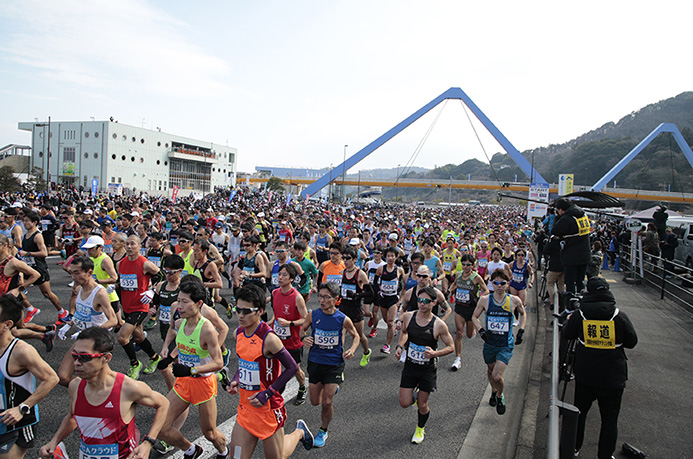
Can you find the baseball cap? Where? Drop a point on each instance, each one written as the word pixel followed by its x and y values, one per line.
pixel 393 236
pixel 354 241
pixel 88 211
pixel 93 241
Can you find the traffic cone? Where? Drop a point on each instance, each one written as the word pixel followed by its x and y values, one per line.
pixel 617 264
pixel 605 264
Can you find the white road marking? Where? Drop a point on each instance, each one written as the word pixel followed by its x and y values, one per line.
pixel 227 426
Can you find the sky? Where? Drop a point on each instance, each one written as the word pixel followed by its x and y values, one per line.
pixel 292 83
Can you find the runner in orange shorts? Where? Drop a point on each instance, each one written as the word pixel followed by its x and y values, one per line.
pixel 258 380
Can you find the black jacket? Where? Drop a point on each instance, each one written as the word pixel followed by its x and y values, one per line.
pixel 552 250
pixel 576 250
pixel 601 367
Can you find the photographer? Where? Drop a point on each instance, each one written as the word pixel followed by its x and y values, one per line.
pixel 600 360
pixel 572 227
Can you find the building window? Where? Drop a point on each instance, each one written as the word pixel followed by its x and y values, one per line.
pixel 141 160
pixel 113 156
pixel 96 155
pixel 166 145
pixel 96 134
pixel 158 144
pixel 85 181
pixel 122 158
pixel 86 134
pixel 232 156
pixel 86 155
pixel 69 154
pixel 115 136
pixel 40 154
pixel 141 140
pixel 112 179
pixel 165 163
pixel 125 137
pixel 120 179
pixel 134 139
pixel 132 158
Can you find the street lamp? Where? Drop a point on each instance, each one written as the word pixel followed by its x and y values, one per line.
pixel 344 172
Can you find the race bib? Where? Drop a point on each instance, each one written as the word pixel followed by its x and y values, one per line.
pixel 249 375
pixel 326 339
pixel 165 314
pixel 599 334
pixel 335 278
pixel 389 287
pixel 98 451
pixel 447 266
pixel 346 288
pixel 498 324
pixel 29 261
pixel 275 279
pixel 128 282
pixel 371 277
pixel 281 332
pixel 155 260
pixel 188 360
pixel 483 262
pixel 143 251
pixel 462 295
pixel 518 278
pixel 415 354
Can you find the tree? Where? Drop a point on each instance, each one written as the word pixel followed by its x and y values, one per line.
pixel 8 182
pixel 36 181
pixel 275 184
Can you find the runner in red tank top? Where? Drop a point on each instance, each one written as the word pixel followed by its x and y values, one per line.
pixel 289 314
pixel 103 404
pixel 136 296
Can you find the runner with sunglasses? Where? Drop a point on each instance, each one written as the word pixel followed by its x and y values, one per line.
pixel 468 285
pixel 421 331
pixel 497 333
pixel 355 287
pixel 390 277
pixel 258 380
pixel 101 397
pixel 371 303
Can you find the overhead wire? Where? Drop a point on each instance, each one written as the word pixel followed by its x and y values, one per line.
pixel 480 142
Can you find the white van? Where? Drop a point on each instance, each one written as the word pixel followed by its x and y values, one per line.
pixel 682 227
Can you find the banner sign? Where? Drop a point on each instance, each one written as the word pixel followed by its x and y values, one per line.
pixel 539 192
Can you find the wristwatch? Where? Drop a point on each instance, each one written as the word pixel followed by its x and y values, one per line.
pixel 193 371
pixel 149 439
pixel 24 409
pixel 292 323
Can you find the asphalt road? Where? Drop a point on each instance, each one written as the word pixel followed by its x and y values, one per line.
pixel 368 419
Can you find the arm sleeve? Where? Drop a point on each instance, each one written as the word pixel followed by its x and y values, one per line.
pixel 290 369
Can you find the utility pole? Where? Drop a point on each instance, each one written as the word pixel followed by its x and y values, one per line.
pixel 48 153
pixel 450 193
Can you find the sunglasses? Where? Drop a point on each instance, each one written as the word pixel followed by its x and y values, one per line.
pixel 247 245
pixel 347 258
pixel 424 300
pixel 168 272
pixel 183 241
pixel 499 283
pixel 422 275
pixel 280 250
pixel 246 311
pixel 466 264
pixel 334 253
pixel 86 357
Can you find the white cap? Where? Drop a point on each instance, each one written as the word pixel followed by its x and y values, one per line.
pixel 354 241
pixel 261 214
pixel 393 236
pixel 17 204
pixel 88 211
pixel 93 241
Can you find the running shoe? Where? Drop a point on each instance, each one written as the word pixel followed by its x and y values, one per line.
pixel 224 456
pixel 320 438
pixel 64 317
pixel 385 349
pixel 150 324
pixel 418 436
pixel 300 396
pixel 48 339
pixel 225 356
pixel 366 358
pixel 151 367
pixel 31 314
pixel 457 364
pixel 162 447
pixel 370 322
pixel 492 401
pixel 229 312
pixel 500 407
pixel 198 452
pixel 373 333
pixel 223 378
pixel 134 371
pixel 307 440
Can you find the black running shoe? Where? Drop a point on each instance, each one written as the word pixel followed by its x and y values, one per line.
pixel 500 407
pixel 493 399
pixel 48 339
pixel 300 396
pixel 198 452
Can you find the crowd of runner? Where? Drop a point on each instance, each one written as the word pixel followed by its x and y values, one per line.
pixel 142 263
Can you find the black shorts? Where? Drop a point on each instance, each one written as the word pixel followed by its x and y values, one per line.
pixel 450 278
pixel 24 438
pixel 43 276
pixel 163 329
pixel 355 313
pixel 297 354
pixel 424 379
pixel 326 374
pixel 116 306
pixel 465 311
pixel 136 318
pixel 387 301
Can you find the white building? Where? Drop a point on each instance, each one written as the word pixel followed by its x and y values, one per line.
pixel 128 158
